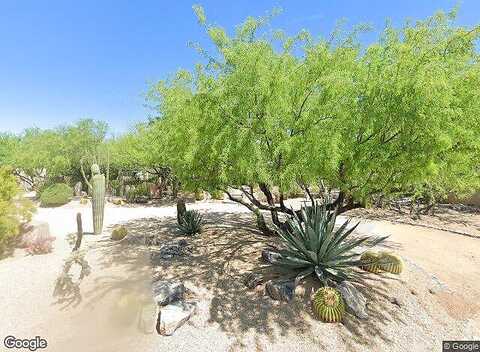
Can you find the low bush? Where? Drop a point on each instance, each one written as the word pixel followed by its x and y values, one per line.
pixel 56 195
pixel 12 209
pixel 217 194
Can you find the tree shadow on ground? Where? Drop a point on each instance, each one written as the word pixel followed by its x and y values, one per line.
pixel 222 255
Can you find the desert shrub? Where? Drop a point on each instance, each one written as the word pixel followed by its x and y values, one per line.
pixel 138 193
pixel 199 195
pixel 55 195
pixel 217 194
pixel 12 209
pixel 191 222
pixel 313 246
pixel 119 233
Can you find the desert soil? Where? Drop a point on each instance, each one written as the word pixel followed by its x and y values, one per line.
pixel 434 299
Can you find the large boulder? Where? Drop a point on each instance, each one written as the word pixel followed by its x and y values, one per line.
pixel 166 292
pixel 171 317
pixel 355 302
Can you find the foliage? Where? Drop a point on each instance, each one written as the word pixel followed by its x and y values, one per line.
pixel 138 193
pixel 217 194
pixel 280 111
pixel 56 195
pixel 328 305
pixel 313 246
pixel 38 155
pixel 12 209
pixel 191 222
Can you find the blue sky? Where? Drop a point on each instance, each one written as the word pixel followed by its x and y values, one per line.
pixel 65 60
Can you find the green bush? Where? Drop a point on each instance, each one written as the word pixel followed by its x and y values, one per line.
pixel 217 194
pixel 12 210
pixel 56 195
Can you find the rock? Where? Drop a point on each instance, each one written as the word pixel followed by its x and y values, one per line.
pixel 77 189
pixel 171 317
pixel 280 290
pixel 437 286
pixel 171 250
pixel 166 292
pixel 413 292
pixel 252 280
pixel 395 300
pixel 270 256
pixel 355 302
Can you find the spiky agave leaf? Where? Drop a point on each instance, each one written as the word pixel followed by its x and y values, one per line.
pixel 191 222
pixel 313 246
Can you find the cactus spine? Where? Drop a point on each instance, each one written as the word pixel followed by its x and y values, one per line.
pixel 328 305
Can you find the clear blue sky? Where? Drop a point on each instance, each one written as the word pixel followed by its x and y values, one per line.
pixel 64 60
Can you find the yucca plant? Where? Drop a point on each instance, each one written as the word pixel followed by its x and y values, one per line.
pixel 191 222
pixel 312 246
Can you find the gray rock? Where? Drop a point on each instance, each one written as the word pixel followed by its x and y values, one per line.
pixel 270 256
pixel 165 292
pixel 252 280
pixel 355 302
pixel 437 286
pixel 171 250
pixel 171 317
pixel 280 290
pixel 396 301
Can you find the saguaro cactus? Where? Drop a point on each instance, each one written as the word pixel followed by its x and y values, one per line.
pixel 97 185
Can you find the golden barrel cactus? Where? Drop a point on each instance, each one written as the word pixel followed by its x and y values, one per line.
pixel 390 262
pixel 328 305
pixel 370 262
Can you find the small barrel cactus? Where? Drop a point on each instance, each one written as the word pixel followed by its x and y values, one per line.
pixel 119 233
pixel 328 305
pixel 370 262
pixel 390 262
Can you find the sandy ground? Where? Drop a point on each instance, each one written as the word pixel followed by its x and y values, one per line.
pixel 115 311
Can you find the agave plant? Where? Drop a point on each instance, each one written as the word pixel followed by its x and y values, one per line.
pixel 191 222
pixel 314 247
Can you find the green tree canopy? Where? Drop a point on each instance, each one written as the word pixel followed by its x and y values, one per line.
pixel 272 110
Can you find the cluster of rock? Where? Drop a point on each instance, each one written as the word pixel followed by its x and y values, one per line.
pixel 170 250
pixel 173 310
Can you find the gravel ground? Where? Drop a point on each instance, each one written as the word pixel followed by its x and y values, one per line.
pixel 433 300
